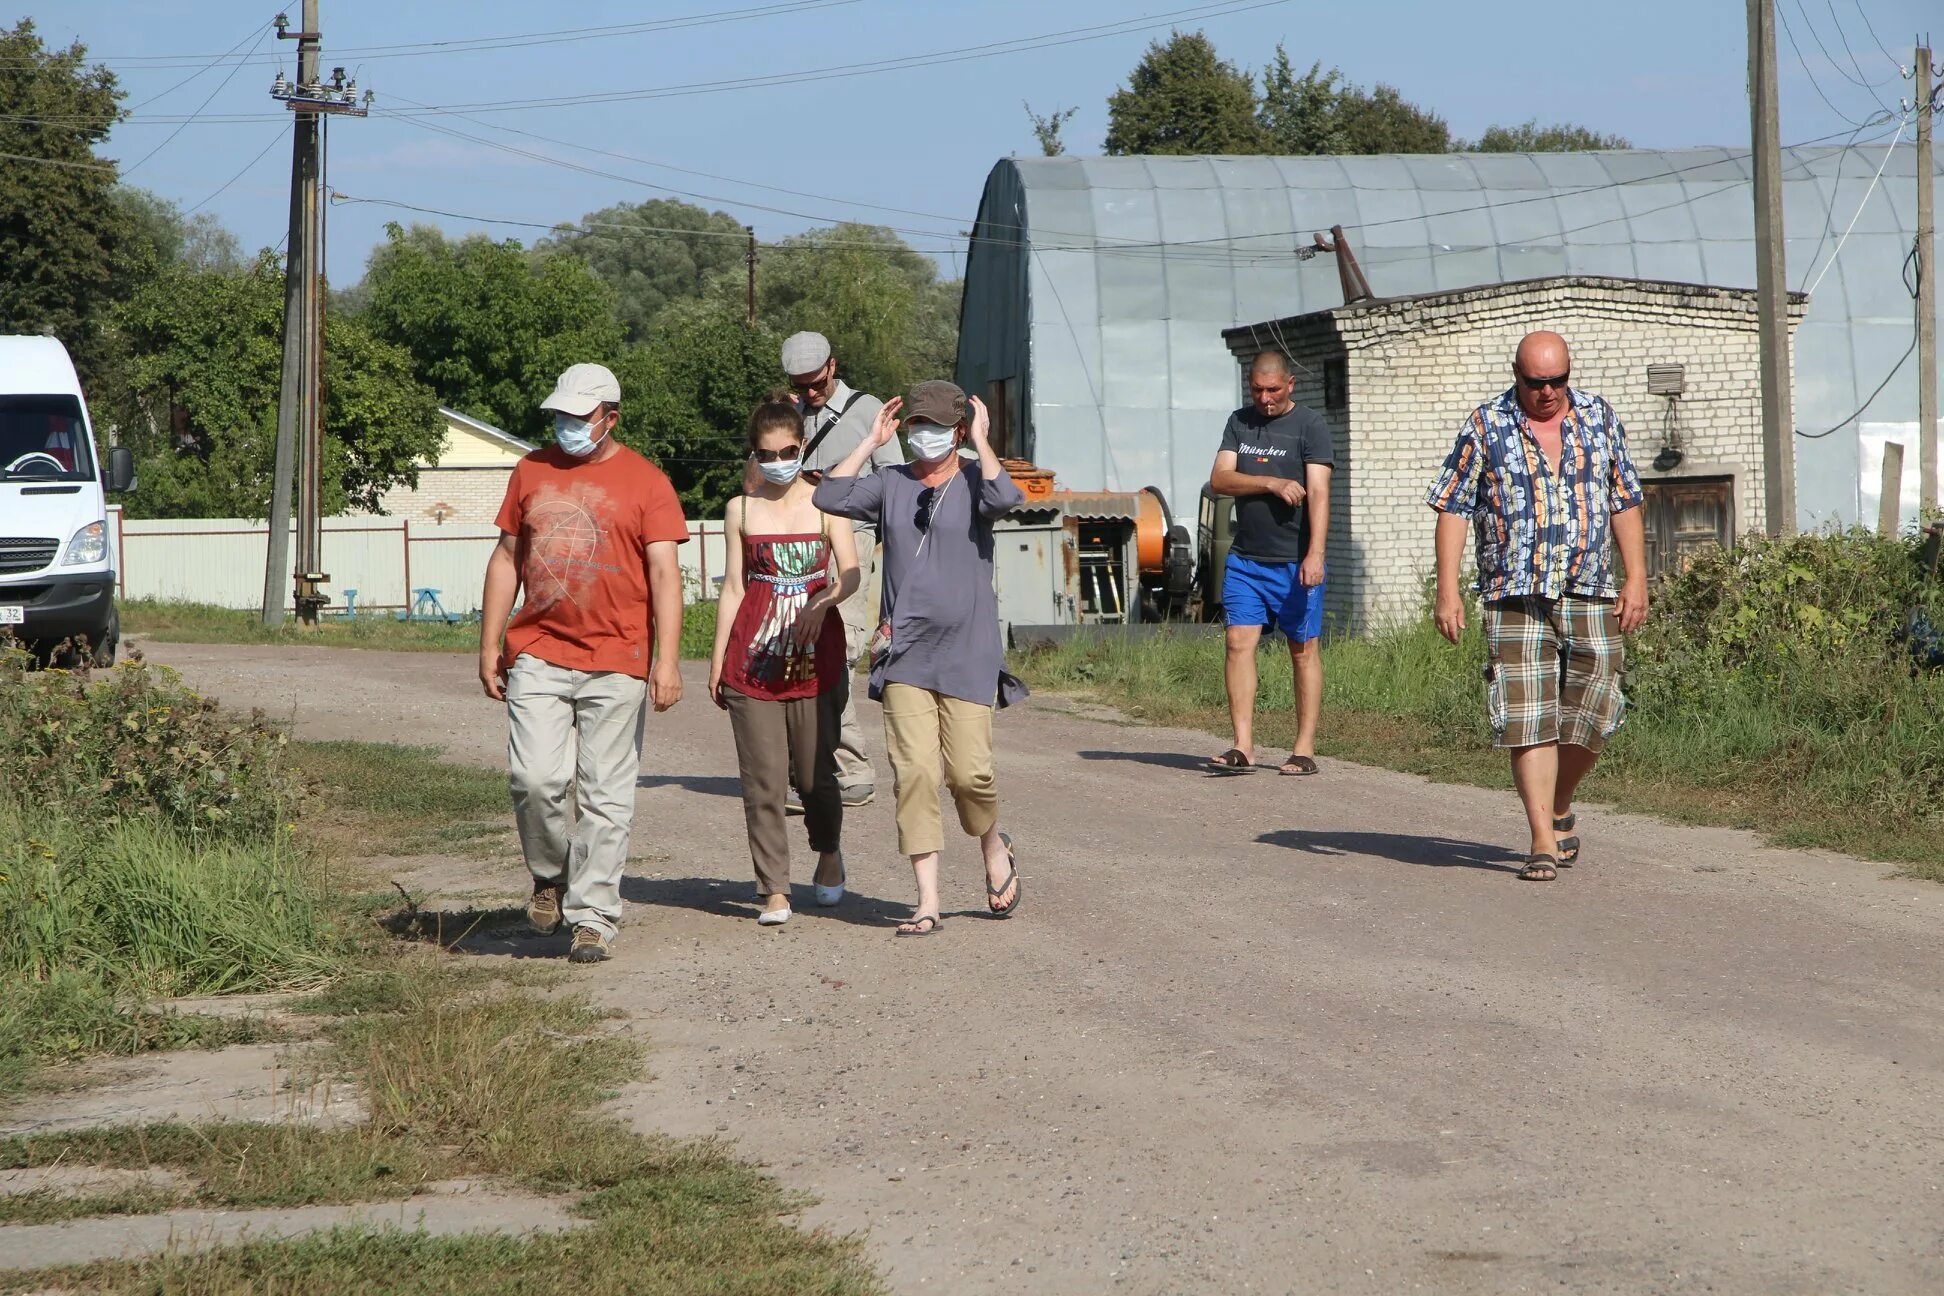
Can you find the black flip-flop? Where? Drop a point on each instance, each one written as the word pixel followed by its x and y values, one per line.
pixel 1533 866
pixel 1012 880
pixel 935 921
pixel 1232 761
pixel 1298 765
pixel 1569 847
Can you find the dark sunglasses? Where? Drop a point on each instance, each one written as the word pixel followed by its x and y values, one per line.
pixel 923 518
pixel 788 454
pixel 810 386
pixel 1535 384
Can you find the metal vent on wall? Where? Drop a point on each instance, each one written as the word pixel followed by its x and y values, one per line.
pixel 1666 379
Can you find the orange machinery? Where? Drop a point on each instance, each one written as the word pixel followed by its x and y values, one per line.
pixel 1127 560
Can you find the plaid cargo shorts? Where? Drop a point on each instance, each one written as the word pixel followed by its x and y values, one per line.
pixel 1553 674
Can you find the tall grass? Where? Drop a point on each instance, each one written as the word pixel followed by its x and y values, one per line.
pixel 1771 691
pixel 165 621
pixel 136 905
pixel 144 853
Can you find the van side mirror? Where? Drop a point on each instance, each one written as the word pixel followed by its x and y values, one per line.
pixel 121 470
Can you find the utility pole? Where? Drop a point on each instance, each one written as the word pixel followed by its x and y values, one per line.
pixel 1927 429
pixel 300 425
pixel 750 258
pixel 1771 278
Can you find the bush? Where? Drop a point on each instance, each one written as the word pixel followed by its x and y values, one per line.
pixel 133 743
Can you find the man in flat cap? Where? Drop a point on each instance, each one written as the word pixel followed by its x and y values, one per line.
pixel 836 420
pixel 588 532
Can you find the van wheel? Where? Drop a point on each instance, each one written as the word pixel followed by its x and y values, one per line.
pixel 104 652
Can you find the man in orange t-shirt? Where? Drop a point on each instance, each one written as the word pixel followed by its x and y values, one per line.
pixel 588 530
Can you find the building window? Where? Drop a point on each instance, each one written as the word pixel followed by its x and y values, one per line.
pixel 1336 384
pixel 1685 516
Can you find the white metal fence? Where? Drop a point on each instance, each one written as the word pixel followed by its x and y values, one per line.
pixel 386 560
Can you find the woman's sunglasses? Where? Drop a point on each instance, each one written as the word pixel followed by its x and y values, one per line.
pixel 787 454
pixel 922 519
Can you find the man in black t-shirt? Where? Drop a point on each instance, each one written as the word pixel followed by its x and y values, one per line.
pixel 1275 461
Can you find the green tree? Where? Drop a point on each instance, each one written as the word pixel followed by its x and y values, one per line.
pixel 158 232
pixel 1531 137
pixel 199 409
pixel 651 253
pixel 1046 130
pixel 699 375
pixel 1182 99
pixel 1381 120
pixel 1301 115
pixel 488 327
pixel 891 321
pixel 61 228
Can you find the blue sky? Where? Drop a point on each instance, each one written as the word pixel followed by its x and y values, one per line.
pixel 1665 74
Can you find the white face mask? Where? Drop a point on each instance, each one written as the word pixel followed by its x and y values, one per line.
pixel 930 442
pixel 781 473
pixel 576 435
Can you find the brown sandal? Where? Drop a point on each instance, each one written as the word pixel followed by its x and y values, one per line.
pixel 1539 868
pixel 1298 765
pixel 1232 761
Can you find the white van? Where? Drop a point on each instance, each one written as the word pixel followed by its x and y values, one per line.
pixel 57 560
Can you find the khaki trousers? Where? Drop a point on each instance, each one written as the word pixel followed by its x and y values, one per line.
pixel 860 614
pixel 925 732
pixel 573 742
pixel 775 743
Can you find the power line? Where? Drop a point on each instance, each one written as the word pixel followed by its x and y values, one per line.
pixel 900 63
pixel 1888 153
pixel 1843 36
pixel 130 170
pixel 1865 15
pixel 1814 83
pixel 415 49
pixel 339 198
pixel 247 167
pixel 1816 34
pixel 1894 370
pixel 215 62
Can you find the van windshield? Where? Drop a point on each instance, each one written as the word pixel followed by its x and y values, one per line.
pixel 43 438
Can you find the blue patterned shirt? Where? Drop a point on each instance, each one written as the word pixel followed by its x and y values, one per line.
pixel 1539 532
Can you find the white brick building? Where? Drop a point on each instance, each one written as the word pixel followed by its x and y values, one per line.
pixel 1394 378
pixel 466 481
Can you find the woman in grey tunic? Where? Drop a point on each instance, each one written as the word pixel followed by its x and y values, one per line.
pixel 937 664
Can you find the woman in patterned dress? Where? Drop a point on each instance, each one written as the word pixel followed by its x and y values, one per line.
pixel 778 667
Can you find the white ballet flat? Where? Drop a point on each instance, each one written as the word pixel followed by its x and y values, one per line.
pixel 773 917
pixel 828 896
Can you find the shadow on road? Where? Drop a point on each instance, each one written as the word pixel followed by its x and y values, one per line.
pixel 709 784
pixel 1432 852
pixel 737 899
pixel 1167 760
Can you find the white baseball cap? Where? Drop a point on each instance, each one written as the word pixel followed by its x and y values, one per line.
pixel 582 388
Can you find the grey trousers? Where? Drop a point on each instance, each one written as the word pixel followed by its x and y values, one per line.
pixel 777 743
pixel 573 742
pixel 860 614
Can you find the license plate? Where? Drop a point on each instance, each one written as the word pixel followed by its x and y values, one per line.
pixel 12 614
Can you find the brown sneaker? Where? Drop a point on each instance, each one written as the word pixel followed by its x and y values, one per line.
pixel 591 945
pixel 543 907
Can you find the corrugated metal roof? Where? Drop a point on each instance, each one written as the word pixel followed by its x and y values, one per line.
pixel 1107 315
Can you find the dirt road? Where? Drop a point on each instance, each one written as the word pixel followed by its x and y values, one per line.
pixel 1263 1034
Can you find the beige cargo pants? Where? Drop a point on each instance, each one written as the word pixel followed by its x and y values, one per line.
pixel 860 614
pixel 573 744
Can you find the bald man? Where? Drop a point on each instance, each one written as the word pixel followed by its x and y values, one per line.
pixel 1543 477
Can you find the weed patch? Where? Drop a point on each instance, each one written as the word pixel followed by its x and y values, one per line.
pixel 1772 690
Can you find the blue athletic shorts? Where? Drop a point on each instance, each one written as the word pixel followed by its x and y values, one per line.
pixel 1272 595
